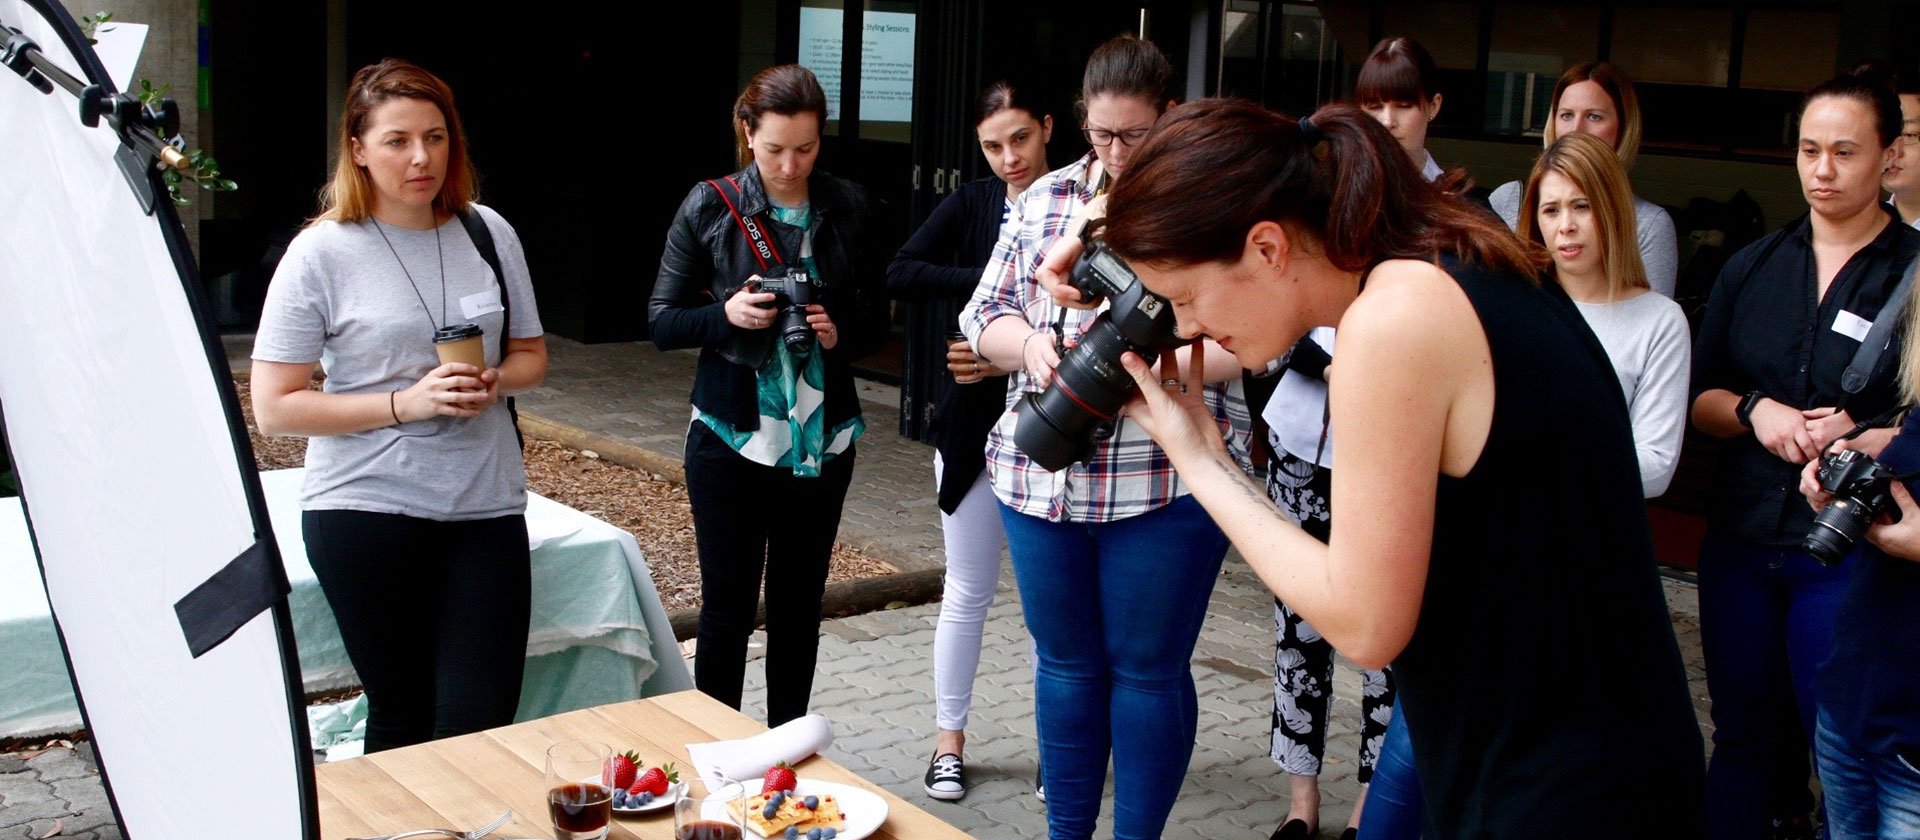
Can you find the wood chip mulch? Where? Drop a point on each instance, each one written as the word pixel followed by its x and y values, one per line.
pixel 651 507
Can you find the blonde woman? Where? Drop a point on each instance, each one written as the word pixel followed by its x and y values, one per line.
pixel 1580 207
pixel 415 494
pixel 1597 98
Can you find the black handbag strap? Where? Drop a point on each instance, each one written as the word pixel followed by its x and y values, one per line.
pixel 1879 336
pixel 483 241
pixel 763 249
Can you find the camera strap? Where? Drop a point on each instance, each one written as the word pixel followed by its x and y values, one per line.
pixel 753 226
pixel 1879 336
pixel 483 242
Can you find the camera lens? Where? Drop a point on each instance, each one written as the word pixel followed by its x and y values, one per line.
pixel 1835 530
pixel 1057 426
pixel 794 329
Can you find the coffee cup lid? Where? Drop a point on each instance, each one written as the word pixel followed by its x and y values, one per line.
pixel 455 332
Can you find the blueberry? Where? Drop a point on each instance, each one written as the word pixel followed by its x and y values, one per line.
pixel 793 832
pixel 771 809
pixel 778 797
pixel 619 798
pixel 645 798
pixel 813 802
pixel 828 833
pixel 815 834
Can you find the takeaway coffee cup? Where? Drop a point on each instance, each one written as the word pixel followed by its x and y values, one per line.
pixel 460 343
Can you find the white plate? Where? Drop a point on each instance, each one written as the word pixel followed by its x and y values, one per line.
pixel 662 801
pixel 864 810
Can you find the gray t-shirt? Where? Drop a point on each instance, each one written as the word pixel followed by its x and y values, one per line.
pixel 341 298
pixel 1652 352
pixel 1659 249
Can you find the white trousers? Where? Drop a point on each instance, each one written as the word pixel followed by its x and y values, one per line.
pixel 975 541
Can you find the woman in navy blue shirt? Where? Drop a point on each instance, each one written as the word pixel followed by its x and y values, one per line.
pixel 1867 738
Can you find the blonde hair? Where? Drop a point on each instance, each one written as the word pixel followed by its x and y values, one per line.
pixel 348 196
pixel 1586 161
pixel 1626 105
pixel 1910 351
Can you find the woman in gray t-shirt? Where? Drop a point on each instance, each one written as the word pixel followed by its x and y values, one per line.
pixel 415 489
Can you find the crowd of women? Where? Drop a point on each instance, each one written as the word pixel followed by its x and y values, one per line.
pixel 1512 380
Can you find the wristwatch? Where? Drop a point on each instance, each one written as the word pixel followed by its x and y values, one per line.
pixel 1744 411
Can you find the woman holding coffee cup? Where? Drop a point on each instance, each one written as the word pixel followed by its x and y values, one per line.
pixel 941 264
pixel 770 445
pixel 415 489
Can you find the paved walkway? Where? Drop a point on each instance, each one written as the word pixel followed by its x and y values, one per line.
pixel 875 680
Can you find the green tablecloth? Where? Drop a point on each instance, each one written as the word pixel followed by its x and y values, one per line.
pixel 598 632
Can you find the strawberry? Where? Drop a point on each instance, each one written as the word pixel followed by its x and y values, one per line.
pixel 779 777
pixel 655 781
pixel 625 766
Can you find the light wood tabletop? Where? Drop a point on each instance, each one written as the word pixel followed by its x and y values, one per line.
pixel 465 782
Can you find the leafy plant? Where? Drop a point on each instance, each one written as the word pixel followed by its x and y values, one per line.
pixel 91 24
pixel 201 169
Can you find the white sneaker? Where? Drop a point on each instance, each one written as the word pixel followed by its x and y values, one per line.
pixel 946 777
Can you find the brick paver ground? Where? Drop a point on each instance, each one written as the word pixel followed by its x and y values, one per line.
pixel 875 679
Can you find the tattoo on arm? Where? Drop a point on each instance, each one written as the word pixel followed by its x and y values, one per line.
pixel 1240 480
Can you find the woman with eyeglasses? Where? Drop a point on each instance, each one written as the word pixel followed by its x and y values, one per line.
pixel 1115 561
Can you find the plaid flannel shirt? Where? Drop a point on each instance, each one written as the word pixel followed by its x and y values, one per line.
pixel 1128 474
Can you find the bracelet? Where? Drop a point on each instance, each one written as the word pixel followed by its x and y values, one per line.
pixel 1023 344
pixel 391 408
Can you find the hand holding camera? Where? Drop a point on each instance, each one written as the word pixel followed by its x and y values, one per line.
pixel 1055 274
pixel 785 299
pixel 747 310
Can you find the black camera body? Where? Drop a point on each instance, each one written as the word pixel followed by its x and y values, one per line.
pixel 1059 426
pixel 1859 485
pixel 792 292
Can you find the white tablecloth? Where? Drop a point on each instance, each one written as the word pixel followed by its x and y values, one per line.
pixel 598 633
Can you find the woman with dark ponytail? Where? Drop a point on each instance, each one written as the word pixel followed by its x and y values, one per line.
pixel 1493 545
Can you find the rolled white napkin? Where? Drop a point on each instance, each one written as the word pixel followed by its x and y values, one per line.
pixel 747 759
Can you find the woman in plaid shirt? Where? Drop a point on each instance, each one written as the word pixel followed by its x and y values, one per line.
pixel 1115 561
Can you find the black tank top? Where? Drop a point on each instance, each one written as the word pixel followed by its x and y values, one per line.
pixel 1543 689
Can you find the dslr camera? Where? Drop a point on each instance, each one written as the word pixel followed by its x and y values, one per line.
pixel 1859 487
pixel 1059 426
pixel 792 291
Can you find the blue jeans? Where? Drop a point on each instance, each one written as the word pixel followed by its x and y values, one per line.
pixel 1766 622
pixel 1393 799
pixel 1867 796
pixel 1115 609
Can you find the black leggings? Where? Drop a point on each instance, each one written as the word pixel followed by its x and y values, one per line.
pixel 434 617
pixel 746 517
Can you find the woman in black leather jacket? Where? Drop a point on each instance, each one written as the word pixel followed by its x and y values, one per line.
pixel 770 446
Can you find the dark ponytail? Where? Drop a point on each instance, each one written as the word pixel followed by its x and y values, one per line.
pixel 1228 164
pixel 1867 86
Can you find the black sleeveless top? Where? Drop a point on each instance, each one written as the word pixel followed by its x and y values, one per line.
pixel 1543 689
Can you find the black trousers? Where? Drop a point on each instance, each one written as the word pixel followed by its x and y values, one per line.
pixel 434 616
pixel 747 517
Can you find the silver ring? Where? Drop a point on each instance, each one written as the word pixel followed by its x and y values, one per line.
pixel 1174 383
pixel 976 367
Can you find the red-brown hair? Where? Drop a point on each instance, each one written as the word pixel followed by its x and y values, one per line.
pixel 785 89
pixel 1626 104
pixel 348 196
pixel 1398 70
pixel 1214 168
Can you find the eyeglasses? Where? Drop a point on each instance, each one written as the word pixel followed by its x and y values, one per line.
pixel 1103 138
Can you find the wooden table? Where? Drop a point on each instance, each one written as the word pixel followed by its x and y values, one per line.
pixel 467 781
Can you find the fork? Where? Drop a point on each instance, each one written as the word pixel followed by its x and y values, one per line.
pixel 475 834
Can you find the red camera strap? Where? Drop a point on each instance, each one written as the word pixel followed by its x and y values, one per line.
pixel 762 246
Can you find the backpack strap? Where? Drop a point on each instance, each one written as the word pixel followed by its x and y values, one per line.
pixel 483 242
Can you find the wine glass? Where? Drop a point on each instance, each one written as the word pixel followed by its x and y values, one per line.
pixel 719 815
pixel 580 789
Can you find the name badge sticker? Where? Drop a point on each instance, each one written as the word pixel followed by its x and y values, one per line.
pixel 1851 325
pixel 474 306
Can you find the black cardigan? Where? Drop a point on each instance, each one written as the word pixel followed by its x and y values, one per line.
pixel 942 261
